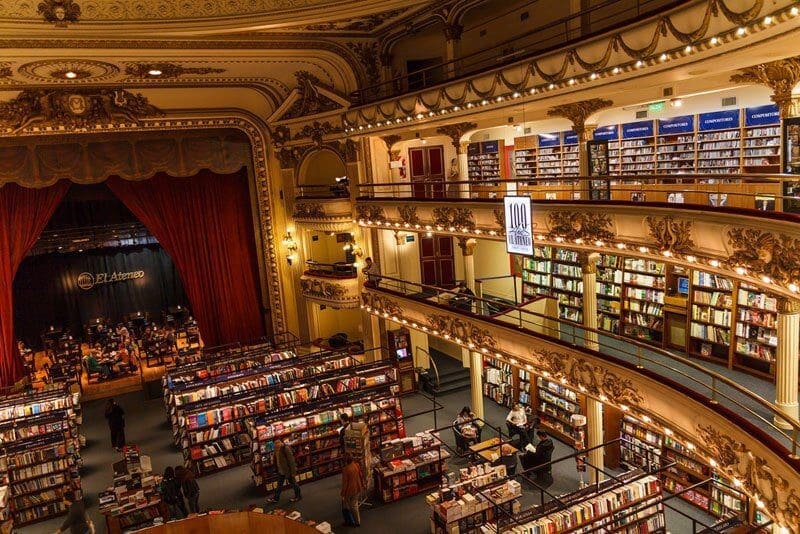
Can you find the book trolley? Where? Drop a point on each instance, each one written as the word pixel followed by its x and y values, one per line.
pixel 409 466
pixel 39 454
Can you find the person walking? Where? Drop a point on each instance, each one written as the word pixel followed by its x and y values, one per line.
pixel 76 522
pixel 191 491
pixel 171 494
pixel 352 488
pixel 287 470
pixel 115 416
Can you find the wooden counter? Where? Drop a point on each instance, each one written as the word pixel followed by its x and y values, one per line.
pixel 233 523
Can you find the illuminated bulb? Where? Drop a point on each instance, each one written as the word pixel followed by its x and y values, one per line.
pixel 154 72
pixel 572 81
pixel 741 31
pixel 598 243
pixel 428 234
pixel 593 76
pixel 794 11
pixel 713 40
pixel 714 263
pixel 516 95
pixel 533 90
pixel 579 241
pixel 431 114
pixel 360 127
pixel 545 374
pixel 563 380
pixel 469 105
pixel 793 288
pixel 666 253
pixel 551 86
pixel 663 57
pixel 760 503
pixel 603 398
pixel 766 279
pixel 581 388
pixel 499 98
pixel 623 407
pixel 712 462
pixel 71 75
pixel 639 63
pixel 691 259
pixel 615 70
pixel 690 445
pixel 484 350
pixel 737 483
pixel 369 125
pixel 420 115
pixel 456 108
pixel 767 20
pixel 559 239
pixel 688 49
pixel 643 250
pixel 646 418
pixel 621 246
pixel 667 432
pixel 443 111
pixel 484 102
pixel 740 270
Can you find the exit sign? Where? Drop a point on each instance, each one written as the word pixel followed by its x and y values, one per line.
pixel 656 107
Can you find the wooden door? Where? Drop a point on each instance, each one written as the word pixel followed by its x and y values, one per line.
pixel 427 171
pixel 437 263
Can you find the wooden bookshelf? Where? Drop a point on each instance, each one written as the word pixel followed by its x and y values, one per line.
pixel 484 164
pixel 525 158
pixel 676 146
pixel 756 331
pixel 643 292
pixel 498 381
pixel 537 278
pixel 524 388
pixel 567 285
pixel 409 466
pixel 711 317
pixel 39 454
pixel 555 403
pixel 609 291
pixel 637 149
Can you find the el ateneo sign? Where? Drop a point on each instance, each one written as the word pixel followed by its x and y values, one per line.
pixel 519 230
pixel 87 281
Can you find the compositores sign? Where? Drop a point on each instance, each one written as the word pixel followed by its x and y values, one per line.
pixel 519 232
pixel 87 281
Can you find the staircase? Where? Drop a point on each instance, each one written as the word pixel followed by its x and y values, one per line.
pixel 452 376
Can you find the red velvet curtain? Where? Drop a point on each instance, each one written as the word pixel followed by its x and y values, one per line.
pixel 205 224
pixel 23 215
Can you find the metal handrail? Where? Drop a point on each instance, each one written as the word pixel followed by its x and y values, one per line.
pixel 579 332
pixel 475 62
pixel 433 363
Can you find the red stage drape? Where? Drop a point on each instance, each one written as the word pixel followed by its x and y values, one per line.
pixel 205 224
pixel 23 215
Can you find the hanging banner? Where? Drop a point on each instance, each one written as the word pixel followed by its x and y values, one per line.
pixel 762 116
pixel 608 133
pixel 718 120
pixel 570 138
pixel 676 125
pixel 552 139
pixel 632 130
pixel 490 147
pixel 519 230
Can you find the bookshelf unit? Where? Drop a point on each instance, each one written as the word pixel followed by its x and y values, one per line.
pixel 643 300
pixel 498 381
pixel 762 140
pixel 609 291
pixel 555 404
pixel 39 453
pixel 637 152
pixel 568 285
pixel 549 156
pixel 409 466
pixel 676 146
pixel 644 447
pixel 525 158
pixel 756 331
pixel 631 506
pixel 537 278
pixel 524 379
pixel 570 159
pixel 710 319
pixel 133 500
pixel 210 417
pixel 311 428
pixel 483 165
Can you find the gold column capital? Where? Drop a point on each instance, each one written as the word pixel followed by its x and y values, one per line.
pixel 579 112
pixel 588 261
pixel 467 245
pixel 787 306
pixel 456 131
pixel 781 76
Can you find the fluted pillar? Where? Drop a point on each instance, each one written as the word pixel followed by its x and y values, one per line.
pixel 594 438
pixel 786 360
pixel 589 275
pixel 476 382
pixel 463 170
pixel 467 246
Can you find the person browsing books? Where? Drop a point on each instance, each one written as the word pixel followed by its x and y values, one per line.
pixel 287 470
pixel 517 424
pixel 352 488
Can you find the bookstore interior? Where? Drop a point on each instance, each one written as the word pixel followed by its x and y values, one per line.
pixel 431 266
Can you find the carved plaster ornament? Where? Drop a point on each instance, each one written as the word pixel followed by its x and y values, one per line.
pixel 350 150
pixel 453 218
pixel 580 225
pixel 287 158
pixel 308 210
pixel 311 101
pixel 280 135
pixel 369 58
pixel 5 70
pixel 316 131
pixel 166 70
pixel 390 140
pixel 500 219
pixel 467 245
pixel 380 304
pixel 578 112
pixel 59 12
pixel 671 235
pixel 408 214
pixel 781 76
pixel 323 289
pixel 74 108
pixel 457 328
pixel 370 213
pixel 456 131
pixel 766 254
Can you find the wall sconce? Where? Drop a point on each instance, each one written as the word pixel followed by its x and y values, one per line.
pixel 352 247
pixel 291 247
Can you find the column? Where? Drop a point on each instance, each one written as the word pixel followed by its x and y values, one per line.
pixel 467 246
pixel 589 276
pixel 594 438
pixel 476 383
pixel 585 134
pixel 463 170
pixel 452 33
pixel 370 324
pixel 786 360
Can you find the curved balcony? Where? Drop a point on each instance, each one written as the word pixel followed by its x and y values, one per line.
pixel 638 215
pixel 732 427
pixel 334 214
pixel 690 33
pixel 330 284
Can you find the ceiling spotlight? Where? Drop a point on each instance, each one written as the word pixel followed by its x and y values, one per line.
pixel 70 75
pixel 533 90
pixel 572 81
pixel 688 49
pixel 484 102
pixel 154 72
pixel 639 63
pixel 615 70
pixel 767 20
pixel 663 57
pixel 551 86
pixel 713 40
pixel 593 76
pixel 516 94
pixel 794 11
pixel 714 263
pixel 741 31
pixel 456 108
pixel 676 102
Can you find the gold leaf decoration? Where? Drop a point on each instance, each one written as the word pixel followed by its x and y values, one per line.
pixel 457 328
pixel 309 210
pixel 370 213
pixel 781 76
pixel 380 304
pixel 580 225
pixel 578 112
pixel 672 235
pixel 408 214
pixel 766 254
pixel 457 218
pixel 500 219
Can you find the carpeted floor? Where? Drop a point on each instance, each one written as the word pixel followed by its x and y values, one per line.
pixel 233 489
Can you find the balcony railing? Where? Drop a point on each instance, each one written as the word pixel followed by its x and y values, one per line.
pixel 751 192
pixel 340 269
pixel 714 387
pixel 338 190
pixel 562 32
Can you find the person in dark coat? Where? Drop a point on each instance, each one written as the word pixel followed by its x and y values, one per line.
pixel 287 470
pixel 76 520
pixel 189 488
pixel 115 416
pixel 507 458
pixel 543 455
pixel 171 494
